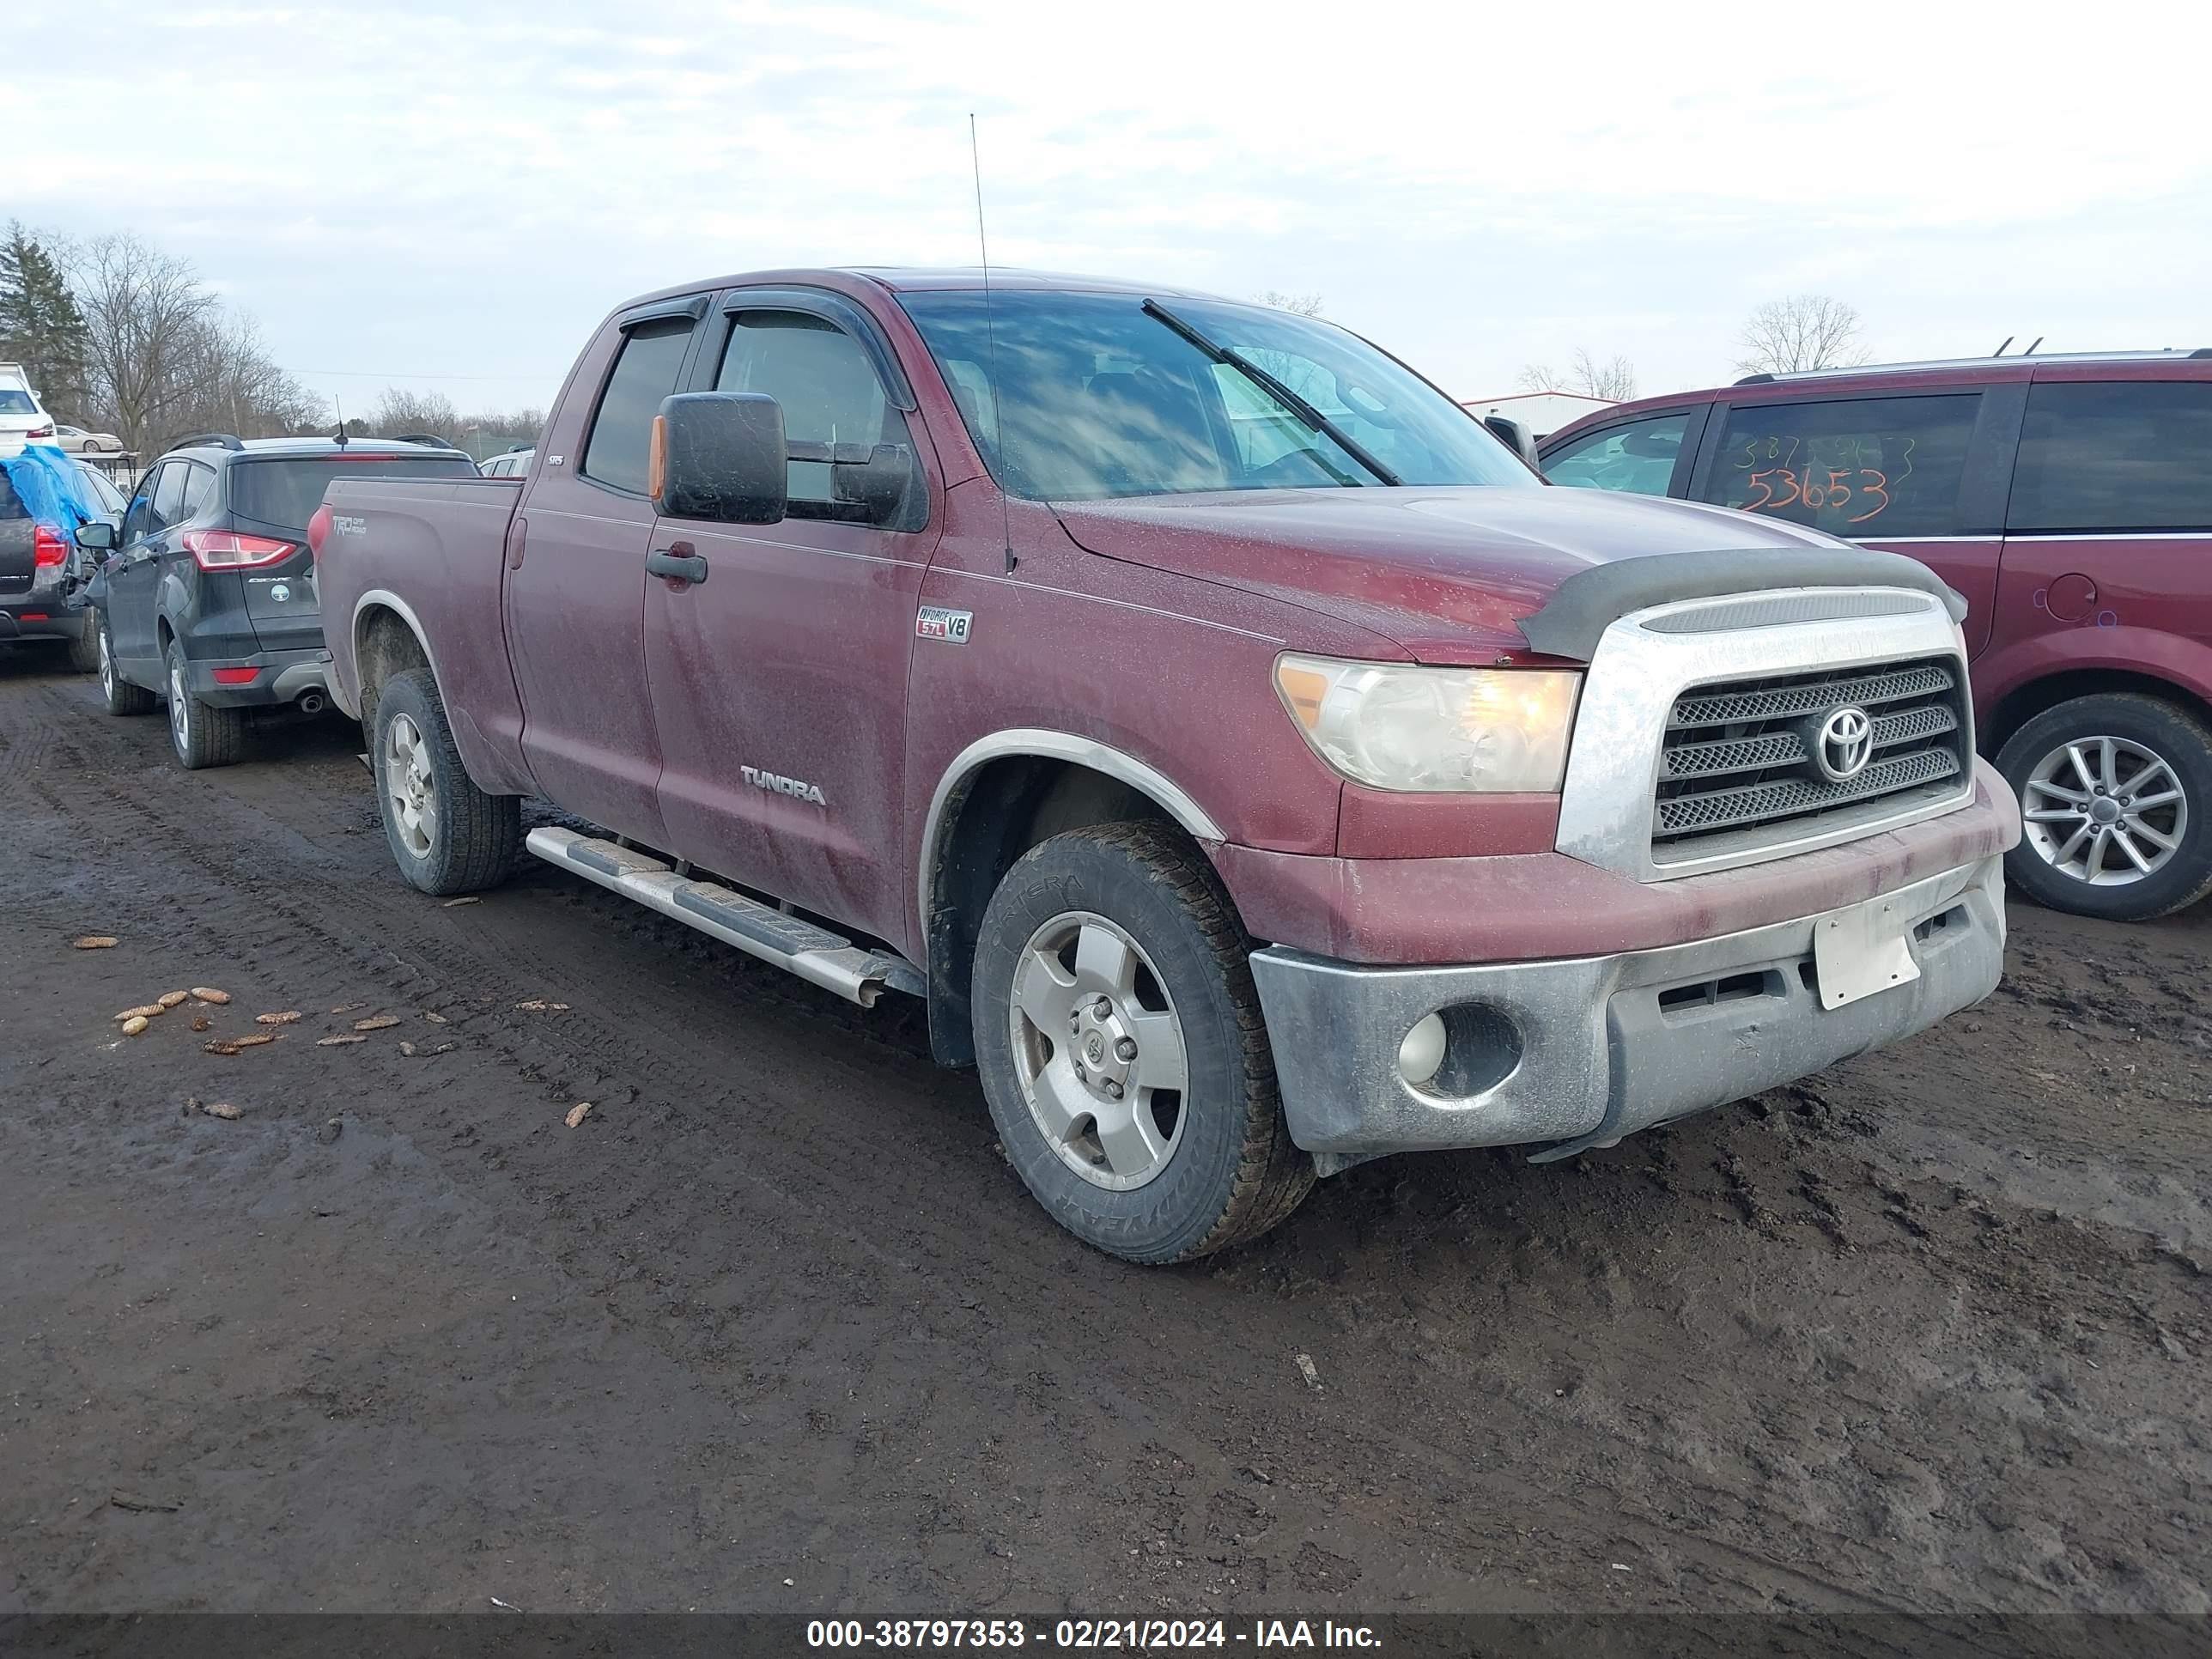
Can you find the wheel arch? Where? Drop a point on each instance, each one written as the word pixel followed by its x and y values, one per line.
pixel 1002 796
pixel 2023 702
pixel 387 640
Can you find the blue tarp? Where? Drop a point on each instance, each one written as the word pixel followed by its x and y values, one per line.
pixel 51 486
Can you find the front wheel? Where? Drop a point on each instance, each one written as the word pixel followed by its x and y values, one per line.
pixel 2116 800
pixel 445 834
pixel 1122 1050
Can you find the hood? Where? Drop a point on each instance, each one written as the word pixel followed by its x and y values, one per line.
pixel 1446 574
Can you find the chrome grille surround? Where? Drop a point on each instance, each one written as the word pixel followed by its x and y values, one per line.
pixel 1699 671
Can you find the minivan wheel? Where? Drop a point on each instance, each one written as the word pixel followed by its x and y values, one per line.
pixel 2116 803
pixel 202 736
pixel 1122 1050
pixel 123 697
pixel 445 834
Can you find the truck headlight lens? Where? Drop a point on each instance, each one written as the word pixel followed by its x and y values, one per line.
pixel 1434 731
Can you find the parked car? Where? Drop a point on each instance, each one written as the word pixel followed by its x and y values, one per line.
pixel 78 441
pixel 23 419
pixel 511 465
pixel 41 572
pixel 2069 500
pixel 205 595
pixel 1250 792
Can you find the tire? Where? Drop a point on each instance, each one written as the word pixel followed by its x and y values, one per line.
pixel 1152 930
pixel 2152 760
pixel 84 649
pixel 122 697
pixel 201 736
pixel 456 839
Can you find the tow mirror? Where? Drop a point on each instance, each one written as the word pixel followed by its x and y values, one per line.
pixel 1514 435
pixel 721 456
pixel 96 536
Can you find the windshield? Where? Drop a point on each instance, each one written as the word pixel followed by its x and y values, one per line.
pixel 286 493
pixel 1096 397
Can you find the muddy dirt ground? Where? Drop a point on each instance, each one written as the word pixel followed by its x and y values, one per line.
pixel 775 1328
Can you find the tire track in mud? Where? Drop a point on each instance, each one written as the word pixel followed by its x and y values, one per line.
pixel 1089 1343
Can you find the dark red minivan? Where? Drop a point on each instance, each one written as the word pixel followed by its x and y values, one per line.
pixel 2070 499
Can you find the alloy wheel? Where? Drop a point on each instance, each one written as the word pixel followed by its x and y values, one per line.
pixel 410 786
pixel 2105 811
pixel 1098 1049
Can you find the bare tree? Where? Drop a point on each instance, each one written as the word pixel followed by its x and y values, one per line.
pixel 1805 331
pixel 1614 379
pixel 1302 305
pixel 146 316
pixel 402 409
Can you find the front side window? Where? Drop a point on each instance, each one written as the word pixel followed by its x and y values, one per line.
pixel 169 494
pixel 1086 396
pixel 2119 455
pixel 1637 457
pixel 616 453
pixel 138 519
pixel 1868 467
pixel 853 458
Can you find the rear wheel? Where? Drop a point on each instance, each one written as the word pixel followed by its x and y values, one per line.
pixel 84 645
pixel 123 697
pixel 445 834
pixel 2115 799
pixel 1122 1049
pixel 201 736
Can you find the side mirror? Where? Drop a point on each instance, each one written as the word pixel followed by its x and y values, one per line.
pixel 721 456
pixel 96 536
pixel 1514 435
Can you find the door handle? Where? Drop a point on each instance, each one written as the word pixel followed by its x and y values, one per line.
pixel 678 564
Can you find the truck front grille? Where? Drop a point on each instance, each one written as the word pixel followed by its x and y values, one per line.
pixel 1743 755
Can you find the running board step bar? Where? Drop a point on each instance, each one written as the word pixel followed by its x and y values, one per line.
pixel 815 954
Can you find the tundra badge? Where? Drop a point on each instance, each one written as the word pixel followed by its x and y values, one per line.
pixel 935 623
pixel 783 785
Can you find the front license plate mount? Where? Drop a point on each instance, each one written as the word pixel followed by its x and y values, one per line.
pixel 1861 950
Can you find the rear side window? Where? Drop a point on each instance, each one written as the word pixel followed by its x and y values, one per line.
pixel 199 483
pixel 2120 455
pixel 169 494
pixel 853 458
pixel 622 431
pixel 1873 467
pixel 1637 457
pixel 284 493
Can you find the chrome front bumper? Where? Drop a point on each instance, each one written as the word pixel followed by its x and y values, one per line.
pixel 1579 1053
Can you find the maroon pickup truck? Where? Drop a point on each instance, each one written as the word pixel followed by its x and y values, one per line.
pixel 1256 766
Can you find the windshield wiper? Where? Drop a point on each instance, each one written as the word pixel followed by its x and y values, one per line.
pixel 1275 389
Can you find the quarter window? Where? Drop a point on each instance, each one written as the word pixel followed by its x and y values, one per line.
pixel 2124 455
pixel 1873 467
pixel 622 431
pixel 1637 457
pixel 853 459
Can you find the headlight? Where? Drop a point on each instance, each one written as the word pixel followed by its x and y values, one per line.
pixel 1437 731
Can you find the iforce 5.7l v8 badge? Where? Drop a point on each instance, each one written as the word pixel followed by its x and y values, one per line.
pixel 935 623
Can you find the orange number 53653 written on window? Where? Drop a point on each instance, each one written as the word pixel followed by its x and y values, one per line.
pixel 1820 487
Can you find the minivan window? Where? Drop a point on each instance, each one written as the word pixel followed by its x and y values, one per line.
pixel 831 395
pixel 1085 396
pixel 2115 455
pixel 1638 457
pixel 283 492
pixel 622 431
pixel 1878 468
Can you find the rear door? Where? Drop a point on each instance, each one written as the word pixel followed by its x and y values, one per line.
pixel 779 684
pixel 1919 473
pixel 575 597
pixel 134 573
pixel 2109 523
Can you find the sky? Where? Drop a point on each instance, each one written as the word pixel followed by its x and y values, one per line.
pixel 451 197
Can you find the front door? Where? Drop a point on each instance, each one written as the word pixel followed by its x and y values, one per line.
pixel 779 682
pixel 134 571
pixel 576 586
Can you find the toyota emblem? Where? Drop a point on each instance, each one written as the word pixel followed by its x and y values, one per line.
pixel 1845 745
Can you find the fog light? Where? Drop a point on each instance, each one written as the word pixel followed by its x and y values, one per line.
pixel 1423 1051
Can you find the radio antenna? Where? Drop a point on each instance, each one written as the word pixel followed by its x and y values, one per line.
pixel 991 333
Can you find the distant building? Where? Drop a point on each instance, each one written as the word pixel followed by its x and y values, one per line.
pixel 1542 412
